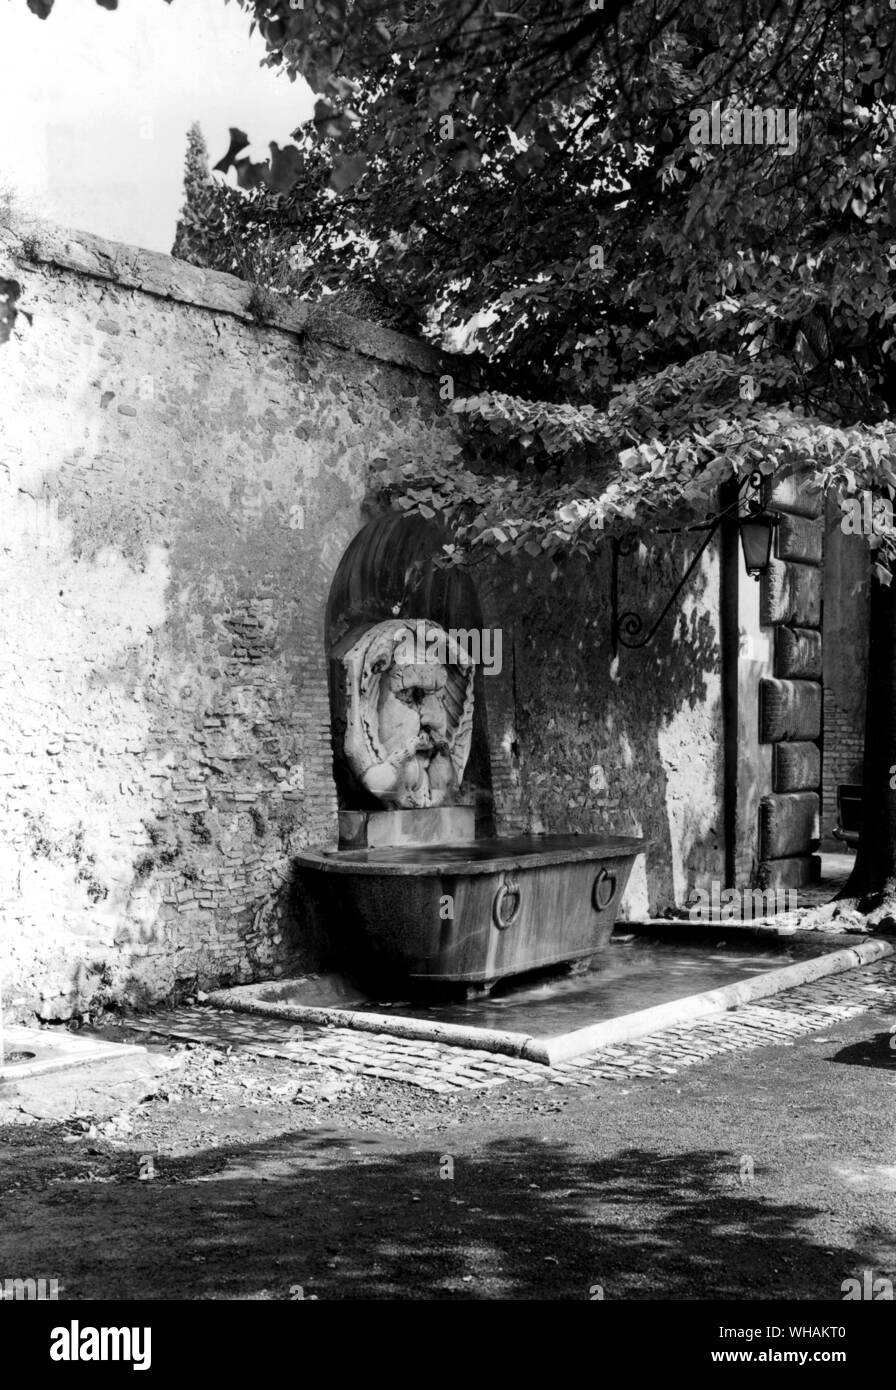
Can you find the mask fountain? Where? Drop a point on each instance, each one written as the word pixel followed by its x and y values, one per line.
pixel 412 892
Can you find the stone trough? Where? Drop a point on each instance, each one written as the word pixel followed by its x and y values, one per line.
pixel 419 889
pixel 475 912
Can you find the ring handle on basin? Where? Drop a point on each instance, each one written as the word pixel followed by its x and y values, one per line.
pixel 604 890
pixel 509 889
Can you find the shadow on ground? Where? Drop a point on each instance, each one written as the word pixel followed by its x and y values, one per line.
pixel 352 1218
pixel 877 1051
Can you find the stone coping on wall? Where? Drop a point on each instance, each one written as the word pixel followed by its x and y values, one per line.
pixel 154 273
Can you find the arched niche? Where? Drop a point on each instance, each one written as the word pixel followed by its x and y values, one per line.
pixel 388 571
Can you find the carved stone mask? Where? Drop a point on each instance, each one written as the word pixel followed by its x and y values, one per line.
pixel 409 713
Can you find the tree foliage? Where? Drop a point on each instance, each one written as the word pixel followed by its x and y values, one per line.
pixel 522 178
pixel 653 310
pixel 197 223
pixel 489 151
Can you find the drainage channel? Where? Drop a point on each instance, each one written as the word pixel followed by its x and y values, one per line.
pixel 272 999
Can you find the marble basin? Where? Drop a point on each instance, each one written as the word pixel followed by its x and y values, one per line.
pixel 473 912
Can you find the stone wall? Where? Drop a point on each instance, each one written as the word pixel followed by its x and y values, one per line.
pixel 585 740
pixel 179 483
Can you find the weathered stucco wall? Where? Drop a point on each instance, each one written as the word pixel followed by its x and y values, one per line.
pixel 178 485
pixel 583 740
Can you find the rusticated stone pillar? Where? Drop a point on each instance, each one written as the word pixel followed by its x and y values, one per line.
pixel 790 703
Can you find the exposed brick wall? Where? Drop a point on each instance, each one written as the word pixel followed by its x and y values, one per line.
pixel 844 744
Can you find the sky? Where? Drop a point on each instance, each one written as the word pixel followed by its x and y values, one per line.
pixel 95 107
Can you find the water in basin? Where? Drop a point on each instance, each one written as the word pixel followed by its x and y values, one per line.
pixel 634 972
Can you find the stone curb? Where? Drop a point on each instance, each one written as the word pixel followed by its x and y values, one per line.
pixel 779 925
pixel 452 1034
pixel 57 1050
pixel 549 1051
pixel 713 1001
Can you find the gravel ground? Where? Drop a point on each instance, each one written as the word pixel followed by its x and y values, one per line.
pixel 196 1174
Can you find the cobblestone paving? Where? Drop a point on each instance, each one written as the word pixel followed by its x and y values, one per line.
pixel 779 1019
pixel 443 1068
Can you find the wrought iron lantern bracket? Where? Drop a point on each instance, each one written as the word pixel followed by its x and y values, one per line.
pixel 628 627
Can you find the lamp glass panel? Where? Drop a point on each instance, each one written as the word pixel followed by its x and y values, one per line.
pixel 756 539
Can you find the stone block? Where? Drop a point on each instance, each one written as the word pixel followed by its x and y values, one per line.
pixel 789 710
pixel 798 871
pixel 430 825
pixel 799 538
pixel 798 653
pixel 791 593
pixel 788 825
pixel 797 767
pixel 797 494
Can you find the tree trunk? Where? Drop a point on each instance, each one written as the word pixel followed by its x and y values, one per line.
pixel 873 878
